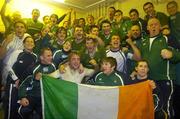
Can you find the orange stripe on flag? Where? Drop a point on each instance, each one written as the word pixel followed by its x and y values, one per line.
pixel 136 101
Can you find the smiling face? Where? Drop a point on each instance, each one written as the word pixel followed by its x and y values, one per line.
pixel 61 35
pixel 106 28
pixel 20 29
pixel 29 44
pixel 115 42
pixel 90 45
pixel 74 61
pixel 67 46
pixel 107 68
pixel 46 56
pixel 142 69
pixel 78 33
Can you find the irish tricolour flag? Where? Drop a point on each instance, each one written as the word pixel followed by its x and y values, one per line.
pixel 66 100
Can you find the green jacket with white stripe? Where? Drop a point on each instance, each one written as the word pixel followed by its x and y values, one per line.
pixel 160 69
pixel 113 79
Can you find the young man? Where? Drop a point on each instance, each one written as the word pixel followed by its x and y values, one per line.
pixel 142 70
pixel 106 32
pixel 92 54
pixel 151 13
pixel 29 90
pixel 134 16
pixel 18 68
pixel 108 76
pixel 121 25
pixel 120 56
pixel 78 39
pixel 34 26
pixel 73 71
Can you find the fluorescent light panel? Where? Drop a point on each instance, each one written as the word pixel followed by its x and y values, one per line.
pixel 61 1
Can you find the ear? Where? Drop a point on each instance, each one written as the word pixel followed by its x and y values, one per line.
pixel 41 57
pixel 136 69
pixel 113 67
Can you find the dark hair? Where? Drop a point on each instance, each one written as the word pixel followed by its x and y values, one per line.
pixel 112 8
pixel 82 19
pixel 61 29
pixel 93 26
pixel 119 11
pixel 134 10
pixel 45 17
pixel 22 22
pixel 73 53
pixel 27 38
pixel 147 4
pixel 105 21
pixel 54 15
pixel 110 60
pixel 172 2
pixel 90 38
pixel 44 49
pixel 142 60
pixel 36 10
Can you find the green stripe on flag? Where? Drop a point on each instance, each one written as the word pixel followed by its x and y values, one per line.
pixel 59 103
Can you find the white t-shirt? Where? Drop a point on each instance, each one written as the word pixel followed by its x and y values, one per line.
pixel 72 75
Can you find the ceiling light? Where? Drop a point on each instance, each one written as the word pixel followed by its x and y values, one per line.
pixel 61 1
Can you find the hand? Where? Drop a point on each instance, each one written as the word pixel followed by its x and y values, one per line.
pixel 129 41
pixel 133 75
pixel 38 76
pixel 81 69
pixel 93 62
pixel 152 84
pixel 62 68
pixel 166 54
pixel 17 83
pixel 24 102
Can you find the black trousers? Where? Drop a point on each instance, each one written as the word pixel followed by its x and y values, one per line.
pixel 176 102
pixel 10 100
pixel 166 90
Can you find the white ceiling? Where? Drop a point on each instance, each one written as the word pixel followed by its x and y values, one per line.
pixel 84 4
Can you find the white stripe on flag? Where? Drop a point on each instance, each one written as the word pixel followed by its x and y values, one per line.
pixel 104 100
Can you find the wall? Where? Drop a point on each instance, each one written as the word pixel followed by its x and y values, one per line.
pixel 126 5
pixel 26 6
pixel 48 7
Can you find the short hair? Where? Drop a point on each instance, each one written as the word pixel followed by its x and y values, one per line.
pixel 22 22
pixel 61 29
pixel 172 2
pixel 134 10
pixel 54 15
pixel 90 38
pixel 93 26
pixel 36 10
pixel 142 60
pixel 44 49
pixel 110 60
pixel 147 4
pixel 112 8
pixel 45 17
pixel 82 19
pixel 105 21
pixel 27 38
pixel 119 11
pixel 72 54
